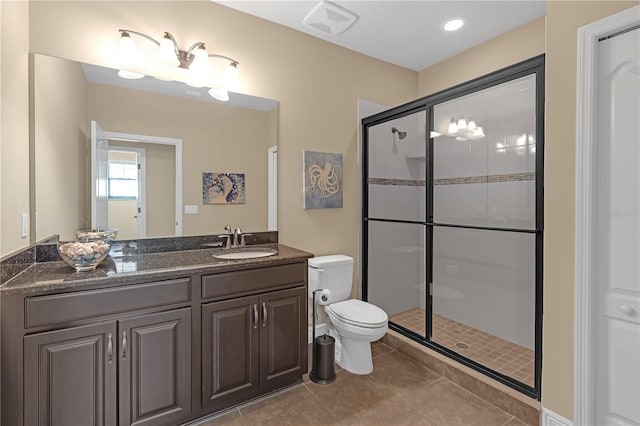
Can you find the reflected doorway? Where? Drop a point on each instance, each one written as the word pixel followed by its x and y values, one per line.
pixel 126 191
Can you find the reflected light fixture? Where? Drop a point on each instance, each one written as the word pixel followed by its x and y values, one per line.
pixel 462 129
pixel 192 66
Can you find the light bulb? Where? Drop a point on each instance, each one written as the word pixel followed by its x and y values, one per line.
pixel 471 125
pixel 167 52
pixel 219 94
pixel 434 134
pixel 199 69
pixel 453 127
pixel 128 51
pixel 462 123
pixel 231 75
pixel 478 133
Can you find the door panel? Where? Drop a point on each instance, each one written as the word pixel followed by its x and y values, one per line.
pixel 70 376
pixel 230 352
pixel 155 368
pixel 99 178
pixel 283 351
pixel 617 246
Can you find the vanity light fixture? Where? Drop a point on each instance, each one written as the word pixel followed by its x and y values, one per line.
pixel 192 66
pixel 453 24
pixel 463 129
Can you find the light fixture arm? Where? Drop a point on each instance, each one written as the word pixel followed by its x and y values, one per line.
pixel 233 61
pixel 151 39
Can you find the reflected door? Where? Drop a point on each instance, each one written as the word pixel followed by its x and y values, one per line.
pixel 99 177
pixel 617 293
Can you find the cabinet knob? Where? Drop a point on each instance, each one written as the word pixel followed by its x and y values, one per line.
pixel 626 309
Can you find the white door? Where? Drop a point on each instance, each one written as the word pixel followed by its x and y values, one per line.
pixel 99 178
pixel 617 250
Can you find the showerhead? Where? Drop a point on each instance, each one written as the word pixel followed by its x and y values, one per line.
pixel 401 134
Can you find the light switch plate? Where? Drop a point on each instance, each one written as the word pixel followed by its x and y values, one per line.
pixel 190 209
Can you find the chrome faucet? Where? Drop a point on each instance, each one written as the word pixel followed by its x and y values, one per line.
pixel 238 238
pixel 227 236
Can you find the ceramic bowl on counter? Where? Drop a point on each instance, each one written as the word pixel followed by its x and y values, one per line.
pixel 84 255
pixel 107 235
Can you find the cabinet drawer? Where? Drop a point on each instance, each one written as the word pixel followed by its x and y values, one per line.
pixel 60 308
pixel 240 283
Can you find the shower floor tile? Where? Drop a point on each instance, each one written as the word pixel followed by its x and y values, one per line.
pixel 498 354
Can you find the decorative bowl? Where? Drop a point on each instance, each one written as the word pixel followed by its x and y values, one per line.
pixel 106 235
pixel 84 255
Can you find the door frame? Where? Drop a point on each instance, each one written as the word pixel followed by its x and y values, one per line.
pixel 586 136
pixel 272 188
pixel 177 144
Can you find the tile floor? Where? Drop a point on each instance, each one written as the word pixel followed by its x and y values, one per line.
pixel 498 354
pixel 398 392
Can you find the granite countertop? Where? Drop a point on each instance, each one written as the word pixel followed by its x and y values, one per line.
pixel 132 268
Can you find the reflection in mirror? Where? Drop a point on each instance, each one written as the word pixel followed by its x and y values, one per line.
pixel 236 137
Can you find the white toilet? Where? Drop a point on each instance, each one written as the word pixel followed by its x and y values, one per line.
pixel 353 323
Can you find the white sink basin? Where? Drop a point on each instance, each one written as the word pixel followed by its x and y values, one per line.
pixel 246 254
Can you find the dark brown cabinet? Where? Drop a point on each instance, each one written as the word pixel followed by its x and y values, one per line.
pixel 155 368
pixel 159 353
pixel 71 374
pixel 251 345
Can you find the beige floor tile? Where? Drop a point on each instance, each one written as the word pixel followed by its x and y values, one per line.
pixel 350 396
pixel 445 403
pixel 378 348
pixel 292 407
pixel 231 418
pixel 401 374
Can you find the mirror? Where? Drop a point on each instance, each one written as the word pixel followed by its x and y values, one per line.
pixel 230 144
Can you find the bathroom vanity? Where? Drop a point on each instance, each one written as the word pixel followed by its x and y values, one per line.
pixel 151 339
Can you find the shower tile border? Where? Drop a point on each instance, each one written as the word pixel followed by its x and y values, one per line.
pixel 513 402
pixel 508 177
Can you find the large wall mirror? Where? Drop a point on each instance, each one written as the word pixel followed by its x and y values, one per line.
pixel 236 139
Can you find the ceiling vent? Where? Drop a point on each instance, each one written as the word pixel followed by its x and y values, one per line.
pixel 330 19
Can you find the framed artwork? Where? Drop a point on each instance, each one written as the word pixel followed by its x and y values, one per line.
pixel 223 188
pixel 322 180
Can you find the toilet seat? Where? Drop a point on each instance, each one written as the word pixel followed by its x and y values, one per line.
pixel 358 313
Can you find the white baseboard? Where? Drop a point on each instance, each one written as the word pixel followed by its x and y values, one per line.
pixel 549 418
pixel 320 330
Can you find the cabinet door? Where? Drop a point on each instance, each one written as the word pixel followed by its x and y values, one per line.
pixel 283 338
pixel 230 352
pixel 70 376
pixel 155 368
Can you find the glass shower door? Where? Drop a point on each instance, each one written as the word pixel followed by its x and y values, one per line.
pixel 484 227
pixel 395 220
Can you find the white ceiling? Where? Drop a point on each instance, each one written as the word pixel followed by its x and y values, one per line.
pixel 405 33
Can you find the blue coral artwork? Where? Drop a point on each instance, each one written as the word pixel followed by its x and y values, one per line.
pixel 322 180
pixel 223 188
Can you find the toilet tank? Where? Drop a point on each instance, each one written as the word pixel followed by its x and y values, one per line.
pixel 334 273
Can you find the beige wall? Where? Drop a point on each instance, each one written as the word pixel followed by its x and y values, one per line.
pixel 563 20
pixel 507 49
pixel 316 83
pixel 14 129
pixel 215 138
pixel 62 153
pixel 160 187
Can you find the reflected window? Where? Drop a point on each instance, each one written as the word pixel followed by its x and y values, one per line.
pixel 123 181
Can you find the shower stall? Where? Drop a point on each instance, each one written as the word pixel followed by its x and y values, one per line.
pixel 452 221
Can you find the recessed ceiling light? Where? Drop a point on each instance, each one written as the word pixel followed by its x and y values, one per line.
pixel 453 24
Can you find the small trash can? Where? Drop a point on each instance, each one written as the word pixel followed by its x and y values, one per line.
pixel 323 370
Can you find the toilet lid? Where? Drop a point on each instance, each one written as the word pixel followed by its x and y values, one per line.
pixel 357 312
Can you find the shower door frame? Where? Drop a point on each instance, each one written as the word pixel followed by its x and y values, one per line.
pixel 534 66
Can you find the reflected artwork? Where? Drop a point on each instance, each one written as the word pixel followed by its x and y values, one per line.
pixel 322 180
pixel 223 188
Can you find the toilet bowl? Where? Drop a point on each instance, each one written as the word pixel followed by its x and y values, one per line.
pixel 352 322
